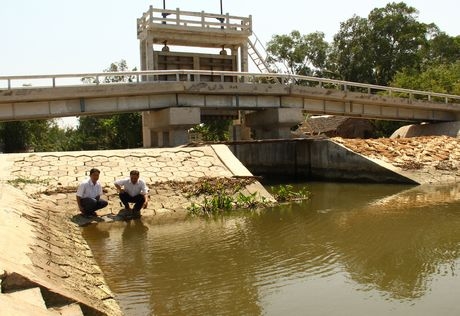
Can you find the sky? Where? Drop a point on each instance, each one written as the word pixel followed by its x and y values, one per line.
pixel 61 36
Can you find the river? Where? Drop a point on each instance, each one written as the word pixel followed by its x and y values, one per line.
pixel 351 249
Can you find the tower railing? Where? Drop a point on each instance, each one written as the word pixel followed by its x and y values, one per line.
pixel 189 19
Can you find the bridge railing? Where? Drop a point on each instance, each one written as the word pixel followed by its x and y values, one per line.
pixel 140 77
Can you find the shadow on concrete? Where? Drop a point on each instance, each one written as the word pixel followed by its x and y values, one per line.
pixel 122 215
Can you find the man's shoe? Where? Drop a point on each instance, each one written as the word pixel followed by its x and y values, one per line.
pixel 136 213
pixel 89 215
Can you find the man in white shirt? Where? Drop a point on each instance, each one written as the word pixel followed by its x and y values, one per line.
pixel 89 194
pixel 133 190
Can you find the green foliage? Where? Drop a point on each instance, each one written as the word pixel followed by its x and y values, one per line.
pixel 120 66
pixel 386 128
pixel 302 54
pixel 350 58
pixel 396 37
pixel 219 196
pixel 116 131
pixel 21 182
pixel 368 50
pixel 441 49
pixel 286 193
pixel 248 201
pixel 216 130
pixel 441 78
pixel 15 135
pixel 222 201
pixel 372 50
pixel 218 202
pixel 37 135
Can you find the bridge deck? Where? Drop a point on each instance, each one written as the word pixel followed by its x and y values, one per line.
pixel 247 92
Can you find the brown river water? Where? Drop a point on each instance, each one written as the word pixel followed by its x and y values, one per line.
pixel 352 249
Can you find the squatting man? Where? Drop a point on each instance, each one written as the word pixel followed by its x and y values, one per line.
pixel 133 190
pixel 89 194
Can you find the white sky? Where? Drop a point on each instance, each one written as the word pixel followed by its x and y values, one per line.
pixel 61 36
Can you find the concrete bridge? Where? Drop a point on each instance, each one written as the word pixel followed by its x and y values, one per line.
pixel 174 100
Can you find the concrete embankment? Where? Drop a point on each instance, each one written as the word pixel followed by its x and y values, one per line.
pixel 45 263
pixel 316 159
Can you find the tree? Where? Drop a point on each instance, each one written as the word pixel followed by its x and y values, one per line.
pixel 303 54
pixel 373 50
pixel 37 135
pixel 396 37
pixel 440 49
pixel 441 78
pixel 215 130
pixel 119 66
pixel 350 57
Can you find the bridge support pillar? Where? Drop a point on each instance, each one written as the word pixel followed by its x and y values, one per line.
pixel 168 127
pixel 273 123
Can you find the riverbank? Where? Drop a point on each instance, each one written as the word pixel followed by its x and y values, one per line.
pixel 42 247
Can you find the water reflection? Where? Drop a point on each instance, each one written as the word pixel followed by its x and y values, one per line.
pixel 390 241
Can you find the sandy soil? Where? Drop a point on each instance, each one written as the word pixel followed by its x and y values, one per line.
pixel 441 152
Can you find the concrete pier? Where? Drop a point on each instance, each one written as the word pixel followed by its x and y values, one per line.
pixel 274 123
pixel 168 127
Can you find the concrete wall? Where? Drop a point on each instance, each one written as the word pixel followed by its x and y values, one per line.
pixel 451 129
pixel 308 159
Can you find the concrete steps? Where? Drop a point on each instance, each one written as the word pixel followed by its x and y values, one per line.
pixel 30 302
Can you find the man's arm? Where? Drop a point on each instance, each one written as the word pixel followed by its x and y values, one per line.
pixel 118 185
pixel 145 193
pixel 146 200
pixel 80 208
pixel 119 188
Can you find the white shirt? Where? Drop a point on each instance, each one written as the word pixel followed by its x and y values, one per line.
pixel 133 189
pixel 87 189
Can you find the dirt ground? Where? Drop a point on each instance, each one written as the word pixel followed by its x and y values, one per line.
pixel 439 152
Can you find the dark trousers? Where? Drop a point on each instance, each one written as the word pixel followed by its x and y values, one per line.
pixel 138 200
pixel 91 205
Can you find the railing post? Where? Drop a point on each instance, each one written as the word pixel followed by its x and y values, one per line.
pixel 9 84
pixel 54 82
pixel 177 16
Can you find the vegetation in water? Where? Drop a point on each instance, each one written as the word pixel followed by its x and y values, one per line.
pixel 286 193
pixel 224 195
